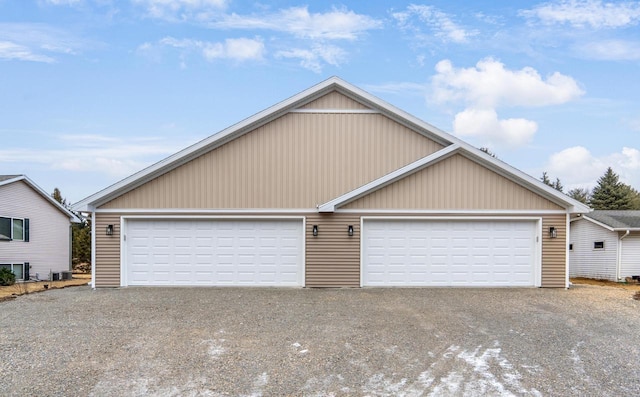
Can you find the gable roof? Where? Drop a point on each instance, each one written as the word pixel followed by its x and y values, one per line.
pixel 8 179
pixel 295 104
pixel 615 220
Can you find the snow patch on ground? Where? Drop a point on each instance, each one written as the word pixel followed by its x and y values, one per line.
pixel 578 365
pixel 215 349
pixel 457 371
pixel 297 346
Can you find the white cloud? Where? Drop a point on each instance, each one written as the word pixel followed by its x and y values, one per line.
pixel 314 58
pixel 112 156
pixel 490 84
pixel 174 10
pixel 13 51
pixel 485 125
pixel 440 24
pixel 578 167
pixel 63 2
pixel 402 88
pixel 337 24
pixel 240 49
pixel 587 13
pixel 611 50
pixel 36 42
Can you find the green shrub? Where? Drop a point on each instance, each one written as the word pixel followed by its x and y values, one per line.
pixel 7 277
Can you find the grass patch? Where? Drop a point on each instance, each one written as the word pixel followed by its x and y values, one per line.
pixel 17 289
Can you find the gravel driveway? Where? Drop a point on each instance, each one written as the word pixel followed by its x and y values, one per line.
pixel 320 342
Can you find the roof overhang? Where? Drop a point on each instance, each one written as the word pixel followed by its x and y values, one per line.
pixel 572 206
pixel 72 217
pixel 451 143
pixel 388 179
pixel 605 226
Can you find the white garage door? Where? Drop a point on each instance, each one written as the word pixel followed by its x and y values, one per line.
pixel 449 253
pixel 214 252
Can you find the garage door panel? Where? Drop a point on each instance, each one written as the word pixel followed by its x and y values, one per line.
pixel 448 253
pixel 214 252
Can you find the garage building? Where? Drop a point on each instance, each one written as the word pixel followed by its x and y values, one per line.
pixel 332 187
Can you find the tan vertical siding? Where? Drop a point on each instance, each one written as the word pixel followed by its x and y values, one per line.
pixel 297 161
pixel 107 266
pixel 554 251
pixel 334 100
pixel 333 258
pixel 454 183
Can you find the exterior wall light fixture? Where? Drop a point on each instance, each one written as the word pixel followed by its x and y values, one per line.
pixel 350 230
pixel 315 230
pixel 109 230
pixel 553 232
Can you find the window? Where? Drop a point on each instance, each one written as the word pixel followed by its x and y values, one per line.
pixel 14 229
pixel 5 228
pixel 598 245
pixel 16 268
pixel 18 229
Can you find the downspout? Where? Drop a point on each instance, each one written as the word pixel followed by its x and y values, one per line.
pixel 93 249
pixel 619 264
pixel 567 283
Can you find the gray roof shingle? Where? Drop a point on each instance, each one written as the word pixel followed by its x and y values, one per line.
pixel 5 177
pixel 627 219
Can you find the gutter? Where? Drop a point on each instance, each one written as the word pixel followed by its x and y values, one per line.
pixel 618 275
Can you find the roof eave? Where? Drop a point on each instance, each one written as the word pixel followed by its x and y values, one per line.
pixel 89 203
pixel 73 218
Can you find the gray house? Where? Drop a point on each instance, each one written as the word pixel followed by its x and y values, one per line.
pixel 35 230
pixel 605 245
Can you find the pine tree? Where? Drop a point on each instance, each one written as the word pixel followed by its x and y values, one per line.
pixel 57 196
pixel 81 246
pixel 556 185
pixel 610 193
pixel 545 178
pixel 489 152
pixel 580 194
pixel 80 235
pixel 634 197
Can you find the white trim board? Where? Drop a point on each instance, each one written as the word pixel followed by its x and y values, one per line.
pixel 206 211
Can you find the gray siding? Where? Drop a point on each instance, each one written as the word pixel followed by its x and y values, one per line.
pixel 48 248
pixel 584 261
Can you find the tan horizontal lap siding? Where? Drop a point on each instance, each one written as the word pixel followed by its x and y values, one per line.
pixel 554 251
pixel 107 266
pixel 299 160
pixel 454 183
pixel 333 258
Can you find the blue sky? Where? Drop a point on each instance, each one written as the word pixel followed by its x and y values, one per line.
pixel 93 90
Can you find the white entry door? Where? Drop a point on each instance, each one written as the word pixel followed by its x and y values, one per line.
pixel 191 252
pixel 470 253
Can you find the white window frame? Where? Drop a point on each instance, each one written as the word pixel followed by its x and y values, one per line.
pixel 11 265
pixel 11 221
